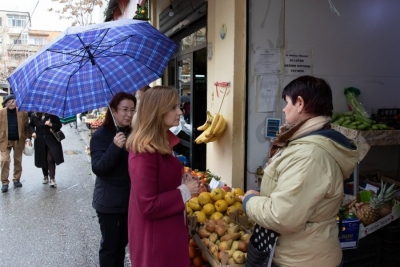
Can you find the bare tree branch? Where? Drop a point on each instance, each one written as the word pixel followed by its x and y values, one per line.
pixel 80 11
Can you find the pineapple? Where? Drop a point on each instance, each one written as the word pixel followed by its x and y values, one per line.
pixel 370 212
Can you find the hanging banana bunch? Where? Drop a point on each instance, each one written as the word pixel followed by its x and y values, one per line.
pixel 212 129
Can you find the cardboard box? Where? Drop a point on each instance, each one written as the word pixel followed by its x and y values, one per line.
pixel 350 231
pixel 366 230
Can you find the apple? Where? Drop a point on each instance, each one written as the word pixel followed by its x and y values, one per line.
pixel 227 188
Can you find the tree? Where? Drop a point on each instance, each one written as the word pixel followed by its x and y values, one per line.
pixel 80 11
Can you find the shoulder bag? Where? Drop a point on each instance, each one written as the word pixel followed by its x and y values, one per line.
pixel 59 135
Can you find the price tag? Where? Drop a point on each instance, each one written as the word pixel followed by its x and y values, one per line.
pixel 372 188
pixel 214 184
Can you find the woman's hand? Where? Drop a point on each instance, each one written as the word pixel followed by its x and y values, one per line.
pixel 48 123
pixel 192 183
pixel 34 135
pixel 250 192
pixel 120 139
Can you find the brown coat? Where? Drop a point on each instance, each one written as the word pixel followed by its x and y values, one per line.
pixel 23 129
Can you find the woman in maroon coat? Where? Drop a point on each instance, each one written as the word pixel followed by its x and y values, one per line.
pixel 157 230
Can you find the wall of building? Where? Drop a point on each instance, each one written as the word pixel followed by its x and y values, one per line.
pixel 225 157
pixel 355 44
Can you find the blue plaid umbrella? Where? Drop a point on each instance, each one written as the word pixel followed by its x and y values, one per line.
pixel 86 66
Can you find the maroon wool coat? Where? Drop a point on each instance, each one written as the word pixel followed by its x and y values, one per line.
pixel 158 235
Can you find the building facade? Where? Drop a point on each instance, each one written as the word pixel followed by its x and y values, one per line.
pixel 18 41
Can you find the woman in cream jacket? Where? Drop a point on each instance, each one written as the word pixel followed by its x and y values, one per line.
pixel 302 185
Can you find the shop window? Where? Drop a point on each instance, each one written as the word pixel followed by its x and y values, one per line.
pixel 198 37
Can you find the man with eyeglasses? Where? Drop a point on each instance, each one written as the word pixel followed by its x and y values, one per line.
pixel 14 132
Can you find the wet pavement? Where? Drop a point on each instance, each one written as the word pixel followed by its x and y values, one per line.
pixel 42 226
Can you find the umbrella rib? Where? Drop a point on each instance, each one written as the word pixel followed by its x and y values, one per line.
pixel 69 79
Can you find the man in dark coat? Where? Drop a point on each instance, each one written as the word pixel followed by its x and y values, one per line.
pixel 14 133
pixel 48 151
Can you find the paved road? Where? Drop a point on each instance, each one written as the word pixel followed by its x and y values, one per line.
pixel 42 226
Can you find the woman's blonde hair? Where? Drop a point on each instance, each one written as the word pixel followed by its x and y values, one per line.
pixel 149 133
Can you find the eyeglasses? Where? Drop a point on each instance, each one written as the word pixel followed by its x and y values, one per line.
pixel 126 111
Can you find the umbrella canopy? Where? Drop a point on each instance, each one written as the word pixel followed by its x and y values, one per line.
pixel 86 66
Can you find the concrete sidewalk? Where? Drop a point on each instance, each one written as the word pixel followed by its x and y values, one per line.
pixel 84 131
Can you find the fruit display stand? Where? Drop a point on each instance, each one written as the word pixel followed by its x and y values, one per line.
pixel 363 245
pixel 366 139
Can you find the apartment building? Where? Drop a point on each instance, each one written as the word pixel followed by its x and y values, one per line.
pixel 18 41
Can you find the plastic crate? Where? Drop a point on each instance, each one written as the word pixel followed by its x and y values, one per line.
pixel 389 262
pixel 391 232
pixel 388 112
pixel 391 117
pixel 366 254
pixel 389 248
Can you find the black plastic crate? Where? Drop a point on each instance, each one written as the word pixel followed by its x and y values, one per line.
pixel 389 262
pixel 391 232
pixel 388 112
pixel 366 254
pixel 389 248
pixel 390 117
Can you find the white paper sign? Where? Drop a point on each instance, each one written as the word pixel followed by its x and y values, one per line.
pixel 372 188
pixel 267 93
pixel 298 63
pixel 267 61
pixel 214 184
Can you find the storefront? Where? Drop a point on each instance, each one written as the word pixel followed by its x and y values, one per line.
pixel 349 44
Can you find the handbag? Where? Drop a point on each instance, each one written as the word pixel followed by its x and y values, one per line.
pixel 59 135
pixel 28 150
pixel 261 257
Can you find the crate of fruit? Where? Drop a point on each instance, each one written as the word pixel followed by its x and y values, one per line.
pixel 223 242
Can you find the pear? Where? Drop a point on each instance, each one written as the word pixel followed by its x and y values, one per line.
pixel 203 233
pixel 221 229
pixel 235 245
pixel 233 229
pixel 225 245
pixel 239 257
pixel 213 237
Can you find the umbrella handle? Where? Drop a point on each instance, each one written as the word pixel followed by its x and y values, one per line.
pixel 112 116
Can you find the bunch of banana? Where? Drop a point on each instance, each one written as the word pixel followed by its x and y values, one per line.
pixel 213 128
pixel 207 123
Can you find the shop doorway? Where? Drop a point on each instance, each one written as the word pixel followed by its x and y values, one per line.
pixel 188 73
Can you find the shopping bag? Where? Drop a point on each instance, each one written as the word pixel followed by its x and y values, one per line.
pixel 28 150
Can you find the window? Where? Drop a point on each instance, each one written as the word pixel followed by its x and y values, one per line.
pixel 23 39
pixel 16 21
pixel 39 40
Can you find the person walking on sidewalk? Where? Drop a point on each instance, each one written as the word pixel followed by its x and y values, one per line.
pixel 48 151
pixel 112 186
pixel 14 132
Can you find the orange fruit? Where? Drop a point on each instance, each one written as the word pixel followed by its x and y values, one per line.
pixel 198 261
pixel 192 252
pixel 192 243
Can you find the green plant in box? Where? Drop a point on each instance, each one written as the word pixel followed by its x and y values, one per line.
pixel 369 212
